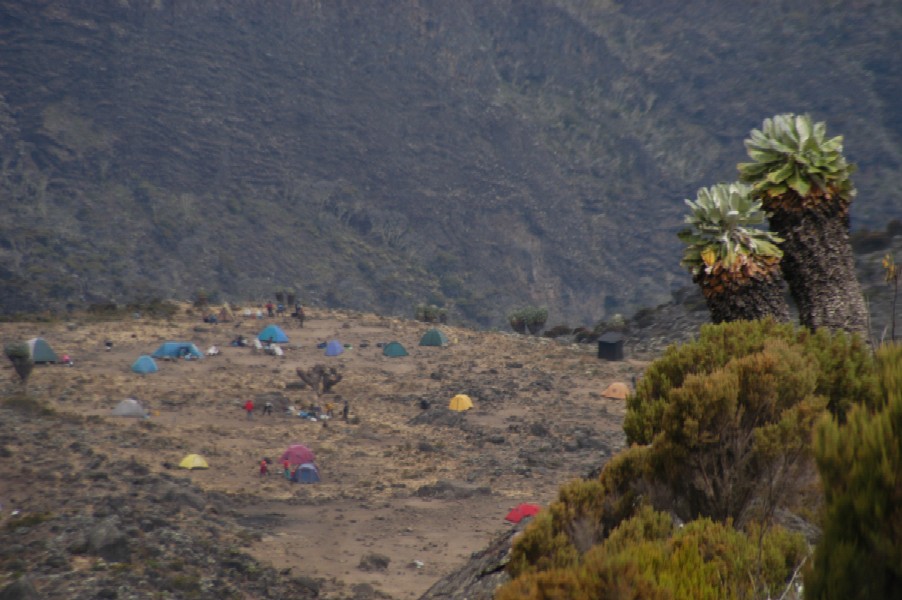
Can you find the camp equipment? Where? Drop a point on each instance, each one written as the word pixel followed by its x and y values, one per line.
pixel 434 337
pixel 273 334
pixel 306 473
pixel 144 365
pixel 334 348
pixel 521 511
pixel 129 408
pixel 617 391
pixel 460 403
pixel 194 461
pixel 41 352
pixel 394 350
pixel 298 454
pixel 177 350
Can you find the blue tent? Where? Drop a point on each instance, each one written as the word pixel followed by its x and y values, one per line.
pixel 334 348
pixel 273 334
pixel 306 473
pixel 177 350
pixel 144 365
pixel 394 349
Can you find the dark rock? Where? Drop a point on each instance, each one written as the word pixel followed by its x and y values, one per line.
pixel 496 439
pixel 374 562
pixel 108 540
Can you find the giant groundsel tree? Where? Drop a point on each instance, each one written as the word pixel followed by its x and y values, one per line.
pixel 736 265
pixel 804 183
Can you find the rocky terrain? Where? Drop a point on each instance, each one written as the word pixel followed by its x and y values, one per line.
pixel 93 506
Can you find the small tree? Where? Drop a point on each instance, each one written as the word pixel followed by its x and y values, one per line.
pixel 536 317
pixel 20 357
pixel 517 321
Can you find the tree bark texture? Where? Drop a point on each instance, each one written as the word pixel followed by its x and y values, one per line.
pixel 819 267
pixel 756 299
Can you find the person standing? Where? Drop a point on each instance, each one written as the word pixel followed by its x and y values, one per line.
pixel 264 468
pixel 286 466
pixel 249 407
pixel 344 411
pixel 267 408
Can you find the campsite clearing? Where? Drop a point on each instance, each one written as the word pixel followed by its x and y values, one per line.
pixel 423 487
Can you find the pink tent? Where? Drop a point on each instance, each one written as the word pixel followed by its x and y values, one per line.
pixel 298 454
pixel 521 511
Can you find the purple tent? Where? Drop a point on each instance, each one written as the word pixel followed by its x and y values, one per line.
pixel 298 454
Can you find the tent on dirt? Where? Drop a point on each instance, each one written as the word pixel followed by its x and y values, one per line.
pixel 334 348
pixel 298 454
pixel 617 391
pixel 144 365
pixel 394 350
pixel 41 352
pixel 434 337
pixel 129 408
pixel 521 511
pixel 194 461
pixel 177 350
pixel 460 403
pixel 306 473
pixel 273 334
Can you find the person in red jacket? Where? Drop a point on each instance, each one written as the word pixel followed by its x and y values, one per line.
pixel 249 407
pixel 264 468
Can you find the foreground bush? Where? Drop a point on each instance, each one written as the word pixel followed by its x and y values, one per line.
pixel 860 463
pixel 648 556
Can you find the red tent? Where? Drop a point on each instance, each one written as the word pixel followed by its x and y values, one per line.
pixel 521 511
pixel 298 454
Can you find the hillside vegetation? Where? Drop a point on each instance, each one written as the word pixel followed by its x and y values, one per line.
pixel 376 155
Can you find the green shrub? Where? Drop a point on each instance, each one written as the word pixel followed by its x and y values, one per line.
pixel 860 461
pixel 647 556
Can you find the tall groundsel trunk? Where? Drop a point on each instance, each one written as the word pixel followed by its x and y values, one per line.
pixel 820 270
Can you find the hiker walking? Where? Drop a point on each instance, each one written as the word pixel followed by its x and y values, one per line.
pixel 264 468
pixel 249 407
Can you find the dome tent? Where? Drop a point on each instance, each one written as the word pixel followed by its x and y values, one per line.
pixel 460 403
pixel 144 365
pixel 394 350
pixel 194 461
pixel 177 350
pixel 434 337
pixel 41 352
pixel 617 391
pixel 334 348
pixel 273 334
pixel 129 408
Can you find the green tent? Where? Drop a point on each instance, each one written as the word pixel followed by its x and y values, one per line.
pixel 434 337
pixel 394 350
pixel 41 352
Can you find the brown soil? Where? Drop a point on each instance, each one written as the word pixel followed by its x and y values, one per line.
pixel 424 488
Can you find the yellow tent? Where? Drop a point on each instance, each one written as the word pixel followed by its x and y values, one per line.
pixel 616 390
pixel 460 402
pixel 194 461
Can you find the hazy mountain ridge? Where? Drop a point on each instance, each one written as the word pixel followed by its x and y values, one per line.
pixel 378 155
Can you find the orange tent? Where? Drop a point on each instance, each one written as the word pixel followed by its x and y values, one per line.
pixel 616 390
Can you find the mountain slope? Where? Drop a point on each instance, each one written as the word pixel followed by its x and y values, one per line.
pixel 378 155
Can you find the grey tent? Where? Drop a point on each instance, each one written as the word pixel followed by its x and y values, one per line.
pixel 41 352
pixel 129 408
pixel 434 337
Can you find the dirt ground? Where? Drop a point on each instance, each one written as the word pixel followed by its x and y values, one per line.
pixel 422 488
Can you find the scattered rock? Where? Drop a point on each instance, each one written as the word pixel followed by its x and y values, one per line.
pixel 374 562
